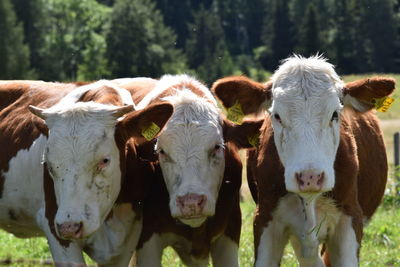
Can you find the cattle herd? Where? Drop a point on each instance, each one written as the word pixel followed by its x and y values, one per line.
pixel 130 166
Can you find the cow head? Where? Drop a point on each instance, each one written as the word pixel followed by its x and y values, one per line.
pixel 305 98
pixel 191 155
pixel 85 158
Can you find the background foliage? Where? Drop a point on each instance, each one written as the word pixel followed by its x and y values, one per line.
pixel 91 39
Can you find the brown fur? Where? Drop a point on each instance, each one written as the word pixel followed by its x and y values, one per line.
pixel 19 130
pixel 227 219
pixel 138 89
pixel 232 89
pixel 368 89
pixel 360 165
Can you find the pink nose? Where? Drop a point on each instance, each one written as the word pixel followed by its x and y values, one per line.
pixel 310 181
pixel 191 205
pixel 70 230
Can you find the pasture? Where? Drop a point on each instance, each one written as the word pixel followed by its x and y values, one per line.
pixel 381 242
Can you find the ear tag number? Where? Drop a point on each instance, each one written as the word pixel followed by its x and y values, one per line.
pixel 235 113
pixel 254 139
pixel 383 104
pixel 151 131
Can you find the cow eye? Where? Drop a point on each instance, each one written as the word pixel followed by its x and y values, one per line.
pixel 335 116
pixel 103 163
pixel 277 117
pixel 217 147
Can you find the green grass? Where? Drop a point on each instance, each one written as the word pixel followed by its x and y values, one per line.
pixel 381 243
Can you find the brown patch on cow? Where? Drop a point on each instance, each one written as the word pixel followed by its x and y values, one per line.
pixel 367 90
pixel 51 205
pixel 240 134
pixel 18 126
pixel 139 88
pixel 249 94
pixel 360 172
pixel 103 95
pixel 227 218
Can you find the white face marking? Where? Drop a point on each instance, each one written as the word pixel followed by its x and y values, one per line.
pixel 83 160
pixel 305 117
pixel 191 154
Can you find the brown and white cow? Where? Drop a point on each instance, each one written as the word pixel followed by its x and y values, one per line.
pixel 320 167
pixel 193 204
pixel 73 174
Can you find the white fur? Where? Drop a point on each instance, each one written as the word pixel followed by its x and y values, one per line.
pixel 81 135
pixel 190 163
pixel 188 159
pixel 171 81
pixel 224 252
pixel 306 230
pixel 306 92
pixel 343 245
pixel 151 252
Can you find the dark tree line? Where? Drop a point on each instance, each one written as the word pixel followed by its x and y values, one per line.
pixel 88 39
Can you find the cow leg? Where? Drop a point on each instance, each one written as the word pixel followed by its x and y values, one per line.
pixel 128 247
pixel 65 256
pixel 224 252
pixel 272 242
pixel 151 252
pixel 343 245
pixel 305 262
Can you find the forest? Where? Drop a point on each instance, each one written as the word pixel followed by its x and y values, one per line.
pixel 69 40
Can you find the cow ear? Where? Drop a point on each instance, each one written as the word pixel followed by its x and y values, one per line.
pixel 146 124
pixel 245 135
pixel 366 94
pixel 249 95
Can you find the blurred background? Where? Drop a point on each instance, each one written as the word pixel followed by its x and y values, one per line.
pixel 68 40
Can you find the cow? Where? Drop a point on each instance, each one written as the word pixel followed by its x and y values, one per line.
pixel 69 170
pixel 193 204
pixel 320 167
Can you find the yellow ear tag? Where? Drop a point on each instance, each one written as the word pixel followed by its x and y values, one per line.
pixel 254 139
pixel 151 131
pixel 383 104
pixel 235 113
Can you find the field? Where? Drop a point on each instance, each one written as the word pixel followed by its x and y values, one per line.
pixel 381 243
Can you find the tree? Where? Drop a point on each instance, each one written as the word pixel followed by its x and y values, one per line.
pixel 278 34
pixel 309 41
pixel 75 28
pixel 206 48
pixel 14 54
pixel 138 42
pixel 32 15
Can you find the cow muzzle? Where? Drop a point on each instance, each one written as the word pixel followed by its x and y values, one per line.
pixel 70 230
pixel 191 206
pixel 310 181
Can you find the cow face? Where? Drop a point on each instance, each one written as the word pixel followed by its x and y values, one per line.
pixel 84 160
pixel 305 117
pixel 191 154
pixel 305 98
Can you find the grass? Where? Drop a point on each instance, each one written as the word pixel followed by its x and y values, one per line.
pixel 381 243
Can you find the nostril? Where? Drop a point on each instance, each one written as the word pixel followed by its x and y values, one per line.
pixel 298 178
pixel 78 227
pixel 202 201
pixel 321 178
pixel 180 201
